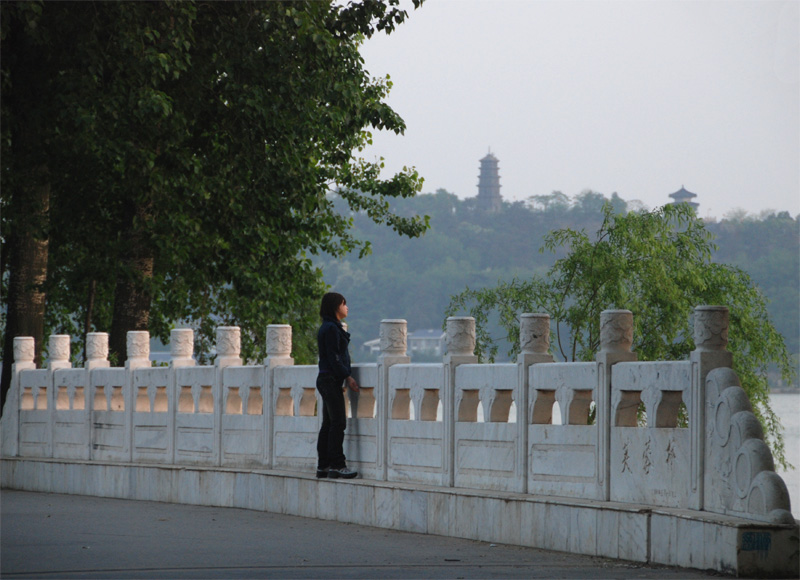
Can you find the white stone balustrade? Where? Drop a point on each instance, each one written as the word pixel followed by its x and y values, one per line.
pixel 670 435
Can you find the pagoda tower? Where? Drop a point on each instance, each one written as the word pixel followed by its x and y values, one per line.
pixel 684 196
pixel 489 198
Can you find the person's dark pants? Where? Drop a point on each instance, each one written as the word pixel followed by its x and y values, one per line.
pixel 330 451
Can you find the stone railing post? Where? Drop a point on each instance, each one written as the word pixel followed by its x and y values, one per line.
pixel 58 351
pixel 229 346
pixel 279 353
pixel 616 339
pixel 534 342
pixel 138 344
pixel 97 350
pixel 460 341
pixel 711 341
pixel 279 346
pixel 229 350
pixel 181 347
pixel 24 353
pixel 394 344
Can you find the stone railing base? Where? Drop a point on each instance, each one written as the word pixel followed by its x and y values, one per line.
pixel 674 537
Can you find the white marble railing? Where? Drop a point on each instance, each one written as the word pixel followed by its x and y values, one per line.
pixel 608 430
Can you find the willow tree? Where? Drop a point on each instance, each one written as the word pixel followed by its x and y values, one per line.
pixel 193 157
pixel 656 264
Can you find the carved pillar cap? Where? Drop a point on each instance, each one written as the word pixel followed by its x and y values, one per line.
pixel 460 337
pixel 711 328
pixel 181 342
pixel 279 340
pixel 24 349
pixel 394 337
pixel 229 341
pixel 58 351
pixel 96 346
pixel 534 333
pixel 138 342
pixel 616 330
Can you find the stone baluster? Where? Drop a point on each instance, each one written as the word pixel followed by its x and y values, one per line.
pixel 138 343
pixel 181 347
pixel 279 345
pixel 58 351
pixel 534 342
pixel 616 339
pixel 97 350
pixel 711 341
pixel 393 344
pixel 229 346
pixel 460 341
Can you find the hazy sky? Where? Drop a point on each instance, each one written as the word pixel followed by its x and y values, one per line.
pixel 634 97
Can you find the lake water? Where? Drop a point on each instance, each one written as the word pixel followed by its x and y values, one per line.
pixel 787 407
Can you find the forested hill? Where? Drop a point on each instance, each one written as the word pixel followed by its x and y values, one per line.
pixel 414 278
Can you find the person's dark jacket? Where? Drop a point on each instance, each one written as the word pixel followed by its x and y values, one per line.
pixel 332 342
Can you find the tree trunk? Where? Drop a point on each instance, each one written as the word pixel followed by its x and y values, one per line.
pixel 132 295
pixel 27 274
pixel 27 114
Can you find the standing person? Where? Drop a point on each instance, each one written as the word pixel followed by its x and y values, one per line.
pixel 334 372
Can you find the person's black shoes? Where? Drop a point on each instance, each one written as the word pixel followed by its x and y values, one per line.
pixel 322 473
pixel 342 472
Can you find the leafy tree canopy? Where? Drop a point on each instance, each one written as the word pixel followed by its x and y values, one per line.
pixel 191 149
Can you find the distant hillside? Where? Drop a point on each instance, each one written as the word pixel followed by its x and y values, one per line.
pixel 414 279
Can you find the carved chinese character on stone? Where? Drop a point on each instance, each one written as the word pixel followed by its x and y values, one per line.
pixel 670 453
pixel 646 457
pixel 625 459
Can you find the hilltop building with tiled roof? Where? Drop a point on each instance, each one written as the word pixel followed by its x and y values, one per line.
pixel 684 196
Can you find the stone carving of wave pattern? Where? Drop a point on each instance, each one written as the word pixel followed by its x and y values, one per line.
pixel 742 479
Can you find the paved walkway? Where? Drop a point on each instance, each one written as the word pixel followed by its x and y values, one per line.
pixel 64 536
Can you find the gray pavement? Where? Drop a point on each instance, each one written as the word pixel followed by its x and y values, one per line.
pixel 66 536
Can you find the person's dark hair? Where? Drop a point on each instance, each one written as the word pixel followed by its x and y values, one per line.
pixel 330 304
